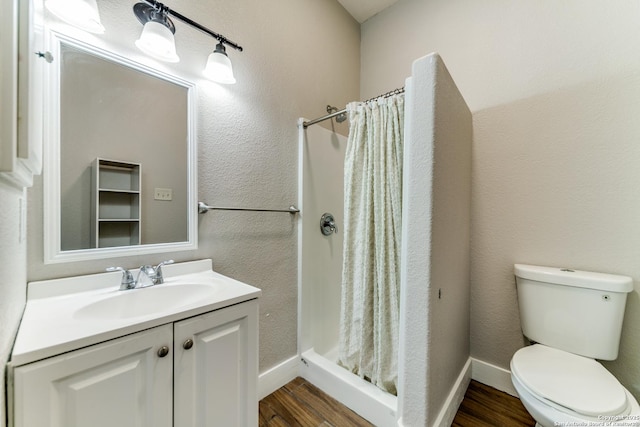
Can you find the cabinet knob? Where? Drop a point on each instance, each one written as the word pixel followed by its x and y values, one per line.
pixel 187 344
pixel 163 351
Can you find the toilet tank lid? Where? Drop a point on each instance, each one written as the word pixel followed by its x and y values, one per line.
pixel 576 278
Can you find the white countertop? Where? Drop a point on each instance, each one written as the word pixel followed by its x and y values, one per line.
pixel 51 324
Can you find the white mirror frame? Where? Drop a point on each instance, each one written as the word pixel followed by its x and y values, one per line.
pixel 52 229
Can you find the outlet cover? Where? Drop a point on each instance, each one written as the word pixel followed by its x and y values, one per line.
pixel 163 194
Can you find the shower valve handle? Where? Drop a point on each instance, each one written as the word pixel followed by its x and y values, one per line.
pixel 328 224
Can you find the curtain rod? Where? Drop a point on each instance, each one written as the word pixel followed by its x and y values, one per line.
pixel 344 110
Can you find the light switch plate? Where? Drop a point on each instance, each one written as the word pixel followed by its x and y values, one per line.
pixel 163 194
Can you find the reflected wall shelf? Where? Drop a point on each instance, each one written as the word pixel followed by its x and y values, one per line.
pixel 115 203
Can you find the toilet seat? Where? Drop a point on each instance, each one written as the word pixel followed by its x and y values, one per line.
pixel 569 382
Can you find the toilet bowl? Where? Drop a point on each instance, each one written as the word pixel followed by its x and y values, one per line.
pixel 573 318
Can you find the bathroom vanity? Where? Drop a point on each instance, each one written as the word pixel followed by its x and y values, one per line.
pixel 181 353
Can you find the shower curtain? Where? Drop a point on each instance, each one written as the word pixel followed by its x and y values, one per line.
pixel 369 316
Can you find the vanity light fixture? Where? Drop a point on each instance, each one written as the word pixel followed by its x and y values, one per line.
pixel 157 38
pixel 83 14
pixel 158 41
pixel 219 67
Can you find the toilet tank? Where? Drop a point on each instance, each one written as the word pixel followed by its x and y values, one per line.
pixel 576 311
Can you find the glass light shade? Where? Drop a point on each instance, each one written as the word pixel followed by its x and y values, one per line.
pixel 219 68
pixel 157 41
pixel 82 14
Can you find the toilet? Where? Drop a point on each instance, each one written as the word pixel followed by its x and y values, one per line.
pixel 572 318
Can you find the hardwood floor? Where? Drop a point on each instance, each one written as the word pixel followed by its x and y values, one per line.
pixel 485 406
pixel 300 403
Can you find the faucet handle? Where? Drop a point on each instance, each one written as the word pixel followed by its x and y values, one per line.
pixel 127 281
pixel 167 262
pixel 159 277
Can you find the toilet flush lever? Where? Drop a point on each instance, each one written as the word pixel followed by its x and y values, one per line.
pixel 328 224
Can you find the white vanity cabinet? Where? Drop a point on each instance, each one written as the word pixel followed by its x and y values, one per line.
pixel 215 375
pixel 200 371
pixel 122 382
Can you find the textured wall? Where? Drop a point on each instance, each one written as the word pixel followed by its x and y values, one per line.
pixel 539 208
pixel 435 241
pixel 298 57
pixel 13 259
pixel 450 258
pixel 554 88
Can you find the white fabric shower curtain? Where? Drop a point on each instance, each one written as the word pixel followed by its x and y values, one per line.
pixel 369 317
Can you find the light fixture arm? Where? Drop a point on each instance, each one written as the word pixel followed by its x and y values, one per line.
pixel 222 39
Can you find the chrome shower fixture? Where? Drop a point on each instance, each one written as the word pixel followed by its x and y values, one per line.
pixel 328 224
pixel 340 117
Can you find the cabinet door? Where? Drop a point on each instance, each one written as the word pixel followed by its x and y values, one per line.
pixel 122 382
pixel 216 378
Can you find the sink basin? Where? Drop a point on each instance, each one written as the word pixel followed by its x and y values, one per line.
pixel 145 301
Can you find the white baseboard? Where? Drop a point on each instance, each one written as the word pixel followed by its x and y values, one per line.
pixel 274 378
pixel 450 407
pixel 493 376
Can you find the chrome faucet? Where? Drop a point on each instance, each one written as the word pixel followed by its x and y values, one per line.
pixel 147 276
pixel 150 275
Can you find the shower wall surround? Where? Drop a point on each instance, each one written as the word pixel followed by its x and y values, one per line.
pixel 246 149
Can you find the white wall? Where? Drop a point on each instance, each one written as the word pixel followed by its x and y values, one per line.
pixel 554 88
pixel 299 56
pixel 13 276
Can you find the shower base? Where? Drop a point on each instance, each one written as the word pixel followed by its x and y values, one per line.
pixel 362 397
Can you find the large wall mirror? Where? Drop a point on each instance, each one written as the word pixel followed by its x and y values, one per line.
pixel 120 157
